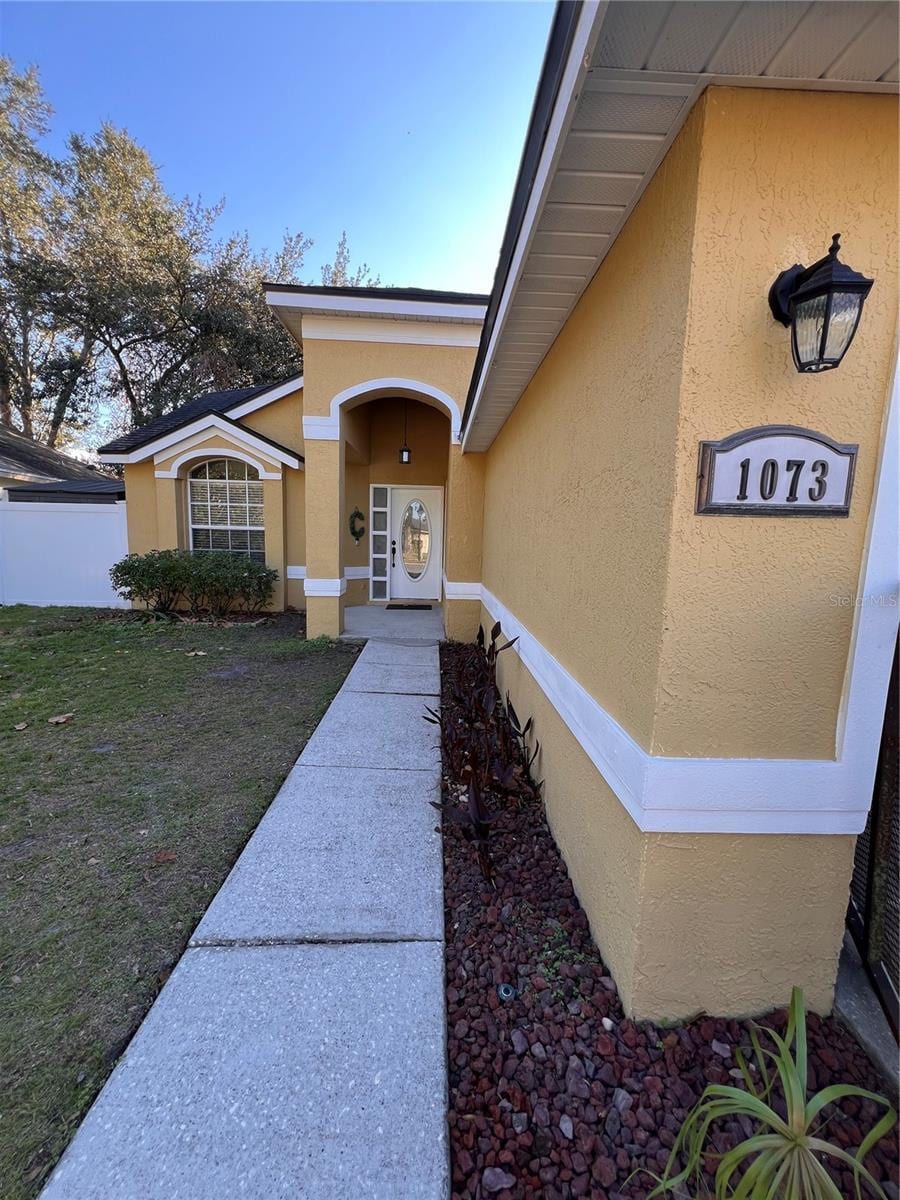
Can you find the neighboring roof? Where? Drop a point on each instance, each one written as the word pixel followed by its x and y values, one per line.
pixel 223 403
pixel 618 82
pixel 69 490
pixel 21 456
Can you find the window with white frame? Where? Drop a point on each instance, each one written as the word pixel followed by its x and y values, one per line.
pixel 226 508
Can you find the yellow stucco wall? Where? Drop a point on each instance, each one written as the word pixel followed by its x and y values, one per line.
pixel 428 431
pixel 754 648
pixel 701 636
pixel 140 508
pixel 575 511
pixel 718 922
pixel 332 366
pixel 282 422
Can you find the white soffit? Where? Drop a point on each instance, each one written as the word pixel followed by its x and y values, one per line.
pixel 644 65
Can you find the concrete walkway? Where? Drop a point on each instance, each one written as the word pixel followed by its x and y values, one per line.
pixel 394 624
pixel 298 1049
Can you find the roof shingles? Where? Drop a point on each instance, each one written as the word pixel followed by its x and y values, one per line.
pixel 213 402
pixel 21 455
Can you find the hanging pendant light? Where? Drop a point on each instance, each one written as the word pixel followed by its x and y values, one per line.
pixel 405 452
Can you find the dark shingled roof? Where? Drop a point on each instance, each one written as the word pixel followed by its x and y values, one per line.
pixel 381 293
pixel 98 490
pixel 213 402
pixel 21 455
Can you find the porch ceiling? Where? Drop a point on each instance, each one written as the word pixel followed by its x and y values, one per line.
pixel 626 76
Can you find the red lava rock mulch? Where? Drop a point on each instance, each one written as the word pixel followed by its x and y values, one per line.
pixel 554 1093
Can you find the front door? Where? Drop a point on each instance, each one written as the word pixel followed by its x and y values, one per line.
pixel 415 550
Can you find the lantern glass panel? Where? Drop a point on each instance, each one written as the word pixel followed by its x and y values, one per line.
pixel 809 318
pixel 845 308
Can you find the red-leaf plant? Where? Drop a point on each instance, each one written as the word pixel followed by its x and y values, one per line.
pixel 484 745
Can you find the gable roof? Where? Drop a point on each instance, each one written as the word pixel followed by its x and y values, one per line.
pixel 223 403
pixel 22 456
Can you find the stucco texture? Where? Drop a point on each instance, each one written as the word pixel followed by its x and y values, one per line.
pixel 755 648
pixel 578 483
pixel 331 367
pixel 701 636
pixel 721 923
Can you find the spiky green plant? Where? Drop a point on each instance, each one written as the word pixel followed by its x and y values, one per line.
pixel 782 1160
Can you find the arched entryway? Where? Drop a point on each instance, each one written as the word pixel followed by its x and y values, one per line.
pixel 396 441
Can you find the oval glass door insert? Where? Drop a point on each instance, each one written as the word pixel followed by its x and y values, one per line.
pixel 415 539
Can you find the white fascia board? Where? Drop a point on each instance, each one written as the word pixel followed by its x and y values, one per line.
pixel 207 423
pixel 372 306
pixel 587 32
pixel 267 397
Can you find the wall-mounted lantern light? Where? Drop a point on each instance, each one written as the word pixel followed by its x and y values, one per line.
pixel 822 305
pixel 405 452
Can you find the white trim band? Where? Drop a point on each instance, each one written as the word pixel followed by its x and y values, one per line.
pixel 324 587
pixel 461 591
pixel 299 572
pixel 693 795
pixel 321 429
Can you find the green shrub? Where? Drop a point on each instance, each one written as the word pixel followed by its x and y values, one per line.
pixel 156 578
pixel 210 581
pixel 783 1159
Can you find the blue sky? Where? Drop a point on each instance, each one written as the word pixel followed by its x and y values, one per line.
pixel 401 123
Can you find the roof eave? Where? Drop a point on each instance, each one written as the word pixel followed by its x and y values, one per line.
pixel 468 310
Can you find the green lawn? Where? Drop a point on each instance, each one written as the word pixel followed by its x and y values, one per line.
pixel 118 826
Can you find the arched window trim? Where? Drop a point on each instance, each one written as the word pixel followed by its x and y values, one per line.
pixel 237 497
pixel 265 468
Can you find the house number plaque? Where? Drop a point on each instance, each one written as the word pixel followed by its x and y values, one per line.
pixel 777 471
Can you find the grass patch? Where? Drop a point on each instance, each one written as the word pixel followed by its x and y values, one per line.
pixel 118 826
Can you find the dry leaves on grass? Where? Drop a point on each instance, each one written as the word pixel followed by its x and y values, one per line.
pixel 164 856
pixel 196 653
pixel 20 726
pixel 61 719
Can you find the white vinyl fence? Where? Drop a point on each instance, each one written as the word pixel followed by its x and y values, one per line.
pixel 60 553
